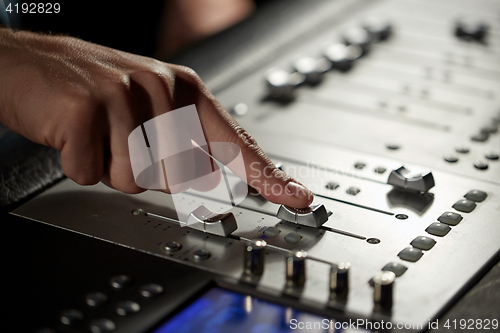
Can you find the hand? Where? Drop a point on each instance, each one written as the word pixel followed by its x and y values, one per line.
pixel 85 99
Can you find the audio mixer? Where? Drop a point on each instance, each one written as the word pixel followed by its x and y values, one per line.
pixel 389 112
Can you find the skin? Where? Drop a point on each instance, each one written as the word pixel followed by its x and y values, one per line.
pixel 187 21
pixel 85 99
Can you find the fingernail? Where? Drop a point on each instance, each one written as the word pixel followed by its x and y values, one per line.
pixel 297 190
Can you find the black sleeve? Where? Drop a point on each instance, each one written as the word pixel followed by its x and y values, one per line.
pixel 130 26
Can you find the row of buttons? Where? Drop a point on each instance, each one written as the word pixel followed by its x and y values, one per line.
pixel 351 190
pixel 479 164
pixel 291 237
pixel 361 166
pixel 422 243
pixel 95 299
pixel 198 255
pixel 482 136
pixel 468 204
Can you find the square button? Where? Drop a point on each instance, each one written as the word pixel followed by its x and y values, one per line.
pixel 450 218
pixel 423 243
pixel 396 268
pixel 476 195
pixel 438 229
pixel 464 205
pixel 410 254
pixel 271 231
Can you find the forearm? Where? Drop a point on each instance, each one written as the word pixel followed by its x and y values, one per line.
pixel 10 45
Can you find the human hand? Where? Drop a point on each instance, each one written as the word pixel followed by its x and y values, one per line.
pixel 85 99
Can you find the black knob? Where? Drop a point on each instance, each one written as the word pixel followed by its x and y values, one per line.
pixel 339 281
pixel 296 269
pixel 383 285
pixel 254 257
pixel 360 37
pixel 471 29
pixel 342 56
pixel 378 27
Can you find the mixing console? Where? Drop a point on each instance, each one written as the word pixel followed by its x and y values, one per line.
pixel 390 116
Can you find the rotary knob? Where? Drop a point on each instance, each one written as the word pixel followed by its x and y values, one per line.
pixel 254 257
pixel 470 29
pixel 379 28
pixel 213 223
pixel 383 286
pixel 296 270
pixel 281 84
pixel 342 56
pixel 360 37
pixel 313 216
pixel 339 281
pixel 414 181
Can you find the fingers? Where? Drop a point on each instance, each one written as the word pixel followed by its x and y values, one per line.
pixel 149 95
pixel 258 170
pixel 82 161
pixel 130 106
pixel 260 173
pixel 82 155
pixel 142 111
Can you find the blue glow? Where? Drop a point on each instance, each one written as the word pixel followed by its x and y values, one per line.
pixel 221 311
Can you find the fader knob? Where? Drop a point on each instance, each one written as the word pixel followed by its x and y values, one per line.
pixel 339 281
pixel 296 269
pixel 342 56
pixel 313 216
pixel 281 84
pixel 358 36
pixel 312 69
pixel 254 257
pixel 470 29
pixel 213 223
pixel 404 178
pixel 380 28
pixel 383 285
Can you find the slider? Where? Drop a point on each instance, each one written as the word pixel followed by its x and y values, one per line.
pixel 405 179
pixel 313 216
pixel 312 69
pixel 207 221
pixel 341 56
pixel 281 84
pixel 360 37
